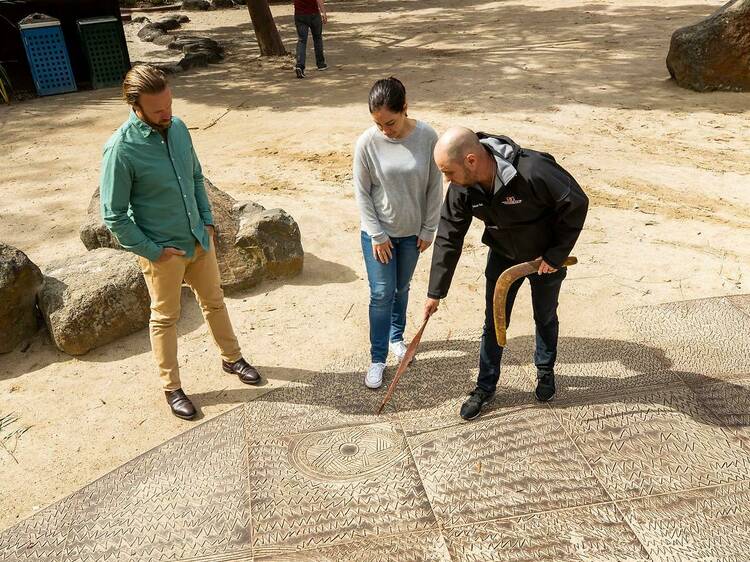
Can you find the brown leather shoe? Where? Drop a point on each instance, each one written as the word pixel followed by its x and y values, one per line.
pixel 180 404
pixel 244 370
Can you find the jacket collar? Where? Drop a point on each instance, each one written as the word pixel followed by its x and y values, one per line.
pixel 504 154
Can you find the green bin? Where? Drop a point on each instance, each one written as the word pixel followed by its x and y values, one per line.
pixel 105 49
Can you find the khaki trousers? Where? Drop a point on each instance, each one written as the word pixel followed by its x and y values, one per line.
pixel 164 281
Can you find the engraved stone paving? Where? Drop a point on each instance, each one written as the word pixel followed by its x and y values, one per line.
pixel 588 533
pixel 171 502
pixel 706 524
pixel 407 547
pixel 505 466
pixel 643 455
pixel 704 337
pixel 305 495
pixel 655 442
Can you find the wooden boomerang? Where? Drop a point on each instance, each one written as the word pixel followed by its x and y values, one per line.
pixel 502 287
pixel 408 356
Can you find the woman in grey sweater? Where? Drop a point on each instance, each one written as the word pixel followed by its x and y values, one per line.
pixel 399 192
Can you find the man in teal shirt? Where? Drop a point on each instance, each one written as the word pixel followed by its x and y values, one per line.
pixel 154 201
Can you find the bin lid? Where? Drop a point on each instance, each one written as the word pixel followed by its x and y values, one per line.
pixel 38 20
pixel 89 21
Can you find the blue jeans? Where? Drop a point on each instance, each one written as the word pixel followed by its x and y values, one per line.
pixel 313 23
pixel 545 290
pixel 389 292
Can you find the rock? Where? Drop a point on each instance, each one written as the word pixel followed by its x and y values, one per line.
pixel 199 51
pixel 196 5
pixel 218 4
pixel 211 57
pixel 164 40
pixel 166 67
pixel 277 236
pixel 94 299
pixel 93 232
pixel 169 68
pixel 253 244
pixel 140 19
pixel 20 281
pixel 181 42
pixel 714 54
pixel 149 32
pixel 167 23
pixel 201 47
pixel 193 60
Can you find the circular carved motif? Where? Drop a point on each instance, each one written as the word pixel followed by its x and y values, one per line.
pixel 346 454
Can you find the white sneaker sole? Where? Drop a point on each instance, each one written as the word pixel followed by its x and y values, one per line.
pixel 374 385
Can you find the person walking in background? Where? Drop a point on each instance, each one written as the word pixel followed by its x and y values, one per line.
pixel 309 15
pixel 399 192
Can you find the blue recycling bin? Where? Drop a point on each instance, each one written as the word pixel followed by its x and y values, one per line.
pixel 48 56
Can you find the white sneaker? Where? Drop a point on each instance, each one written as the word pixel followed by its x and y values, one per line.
pixel 398 348
pixel 374 376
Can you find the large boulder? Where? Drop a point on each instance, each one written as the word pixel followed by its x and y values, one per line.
pixel 276 235
pixel 253 243
pixel 20 281
pixel 218 4
pixel 94 299
pixel 714 54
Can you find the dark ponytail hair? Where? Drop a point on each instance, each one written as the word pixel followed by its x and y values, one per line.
pixel 388 92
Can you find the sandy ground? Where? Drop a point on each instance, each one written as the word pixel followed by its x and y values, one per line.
pixel 667 170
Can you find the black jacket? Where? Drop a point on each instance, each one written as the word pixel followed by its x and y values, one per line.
pixel 540 212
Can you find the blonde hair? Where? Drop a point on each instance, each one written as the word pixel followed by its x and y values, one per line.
pixel 142 79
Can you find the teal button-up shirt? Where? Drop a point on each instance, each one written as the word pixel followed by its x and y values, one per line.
pixel 152 190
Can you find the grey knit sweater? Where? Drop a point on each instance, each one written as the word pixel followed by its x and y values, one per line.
pixel 397 184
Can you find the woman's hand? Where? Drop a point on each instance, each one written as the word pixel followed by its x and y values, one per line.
pixel 382 252
pixel 423 245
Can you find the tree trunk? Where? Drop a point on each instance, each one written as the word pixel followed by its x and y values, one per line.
pixel 266 33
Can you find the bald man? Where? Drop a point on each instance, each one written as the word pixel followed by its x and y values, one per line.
pixel 531 207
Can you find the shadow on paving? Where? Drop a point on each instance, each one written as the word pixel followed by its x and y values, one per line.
pixel 591 371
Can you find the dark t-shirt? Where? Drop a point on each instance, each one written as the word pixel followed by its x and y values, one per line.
pixel 306 7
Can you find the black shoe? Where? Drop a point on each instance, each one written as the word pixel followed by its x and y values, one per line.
pixel 180 404
pixel 545 386
pixel 299 72
pixel 324 67
pixel 474 404
pixel 244 370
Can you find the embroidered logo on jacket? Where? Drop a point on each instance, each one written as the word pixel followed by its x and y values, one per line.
pixel 510 200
